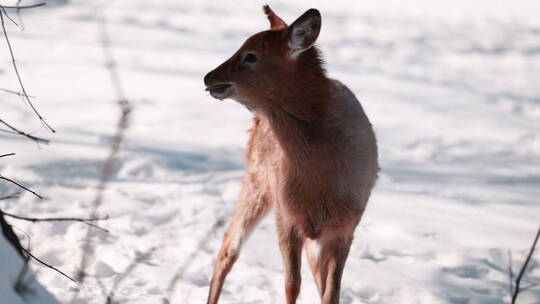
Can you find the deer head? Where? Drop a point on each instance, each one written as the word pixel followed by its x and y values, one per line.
pixel 273 65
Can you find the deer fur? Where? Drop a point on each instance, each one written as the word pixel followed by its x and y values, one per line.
pixel 311 156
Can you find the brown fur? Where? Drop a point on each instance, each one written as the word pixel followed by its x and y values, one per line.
pixel 312 157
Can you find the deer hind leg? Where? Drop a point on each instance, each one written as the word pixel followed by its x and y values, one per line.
pixel 290 244
pixel 250 209
pixel 318 268
pixel 333 257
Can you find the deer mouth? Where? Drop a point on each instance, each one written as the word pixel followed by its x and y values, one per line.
pixel 220 91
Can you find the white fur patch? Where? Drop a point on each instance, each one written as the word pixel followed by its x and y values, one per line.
pixel 315 248
pixel 237 242
pixel 318 248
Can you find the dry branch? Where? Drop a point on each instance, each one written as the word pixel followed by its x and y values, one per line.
pixel 11 196
pixel 189 260
pixel 510 274
pixel 25 253
pixel 47 265
pixel 10 19
pixel 87 221
pixel 11 237
pixel 20 285
pixel 516 287
pixel 108 165
pixel 24 6
pixel 17 131
pixel 105 175
pixel 15 68
pixel 119 279
pixel 15 93
pixel 20 186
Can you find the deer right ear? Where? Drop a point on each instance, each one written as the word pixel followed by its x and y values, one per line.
pixel 303 32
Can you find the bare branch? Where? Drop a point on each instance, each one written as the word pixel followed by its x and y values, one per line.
pixel 20 186
pixel 23 6
pixel 524 267
pixel 129 270
pixel 2 13
pixel 101 286
pixel 510 273
pixel 15 93
pixel 18 10
pixel 12 21
pixel 189 260
pixel 47 265
pixel 86 221
pixel 110 62
pixel 108 165
pixel 532 285
pixel 14 195
pixel 17 131
pixel 11 237
pixel 8 154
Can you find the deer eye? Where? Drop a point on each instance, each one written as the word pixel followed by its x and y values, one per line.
pixel 250 58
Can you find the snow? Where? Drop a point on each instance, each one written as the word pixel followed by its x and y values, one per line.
pixel 15 271
pixel 452 89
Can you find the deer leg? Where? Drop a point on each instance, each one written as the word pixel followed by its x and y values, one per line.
pixel 318 268
pixel 335 254
pixel 290 244
pixel 251 208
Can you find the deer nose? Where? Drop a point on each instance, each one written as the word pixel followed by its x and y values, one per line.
pixel 207 78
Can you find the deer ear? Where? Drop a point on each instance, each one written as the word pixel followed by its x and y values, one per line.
pixel 303 32
pixel 276 23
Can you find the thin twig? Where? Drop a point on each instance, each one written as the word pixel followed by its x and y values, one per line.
pixel 105 175
pixel 10 19
pixel 110 62
pixel 21 23
pixel 102 287
pixel 532 285
pixel 108 165
pixel 7 154
pixel 24 6
pixel 86 221
pixel 510 273
pixel 3 12
pixel 14 195
pixel 17 131
pixel 189 260
pixel 15 93
pixel 127 272
pixel 524 267
pixel 21 186
pixel 47 265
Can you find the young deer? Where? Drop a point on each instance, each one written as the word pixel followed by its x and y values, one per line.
pixel 312 155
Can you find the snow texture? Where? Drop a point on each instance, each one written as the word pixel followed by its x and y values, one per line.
pixel 14 271
pixel 452 89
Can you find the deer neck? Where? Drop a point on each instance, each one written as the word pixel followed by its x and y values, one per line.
pixel 300 121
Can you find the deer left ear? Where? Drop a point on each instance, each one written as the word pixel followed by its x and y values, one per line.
pixel 276 23
pixel 303 32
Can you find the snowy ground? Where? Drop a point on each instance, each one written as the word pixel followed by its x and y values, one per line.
pixel 453 90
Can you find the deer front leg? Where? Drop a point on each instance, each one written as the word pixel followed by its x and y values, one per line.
pixel 290 244
pixel 251 208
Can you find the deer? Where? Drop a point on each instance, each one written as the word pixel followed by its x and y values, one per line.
pixel 311 156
